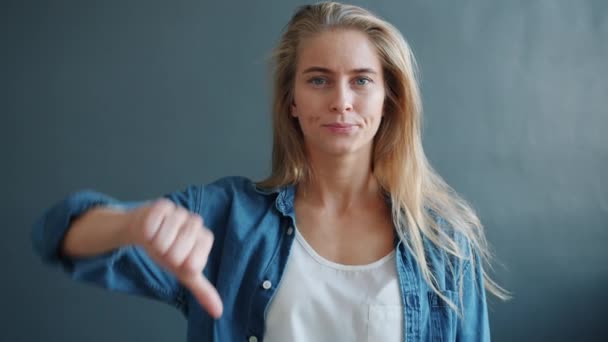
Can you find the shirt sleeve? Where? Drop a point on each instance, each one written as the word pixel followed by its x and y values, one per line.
pixel 127 269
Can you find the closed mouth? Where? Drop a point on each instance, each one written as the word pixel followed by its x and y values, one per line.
pixel 339 125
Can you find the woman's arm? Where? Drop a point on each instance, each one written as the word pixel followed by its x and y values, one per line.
pixel 147 249
pixel 97 231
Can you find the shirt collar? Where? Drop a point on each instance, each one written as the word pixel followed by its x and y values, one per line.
pixel 284 201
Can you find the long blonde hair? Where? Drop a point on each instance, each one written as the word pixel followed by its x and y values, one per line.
pixel 400 166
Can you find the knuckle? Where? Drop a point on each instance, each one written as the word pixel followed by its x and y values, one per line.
pixel 203 261
pixel 197 220
pixel 169 259
pixel 163 204
pixel 180 215
pixel 173 260
pixel 158 246
pixel 149 225
pixel 190 266
pixel 208 236
pixel 145 230
pixel 192 230
pixel 151 217
pixel 203 252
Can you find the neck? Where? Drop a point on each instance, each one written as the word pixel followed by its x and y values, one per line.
pixel 340 183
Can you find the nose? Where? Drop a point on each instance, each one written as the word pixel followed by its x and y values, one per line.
pixel 342 99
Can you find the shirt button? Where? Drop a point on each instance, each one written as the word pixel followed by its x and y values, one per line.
pixel 266 285
pixel 253 339
pixel 289 230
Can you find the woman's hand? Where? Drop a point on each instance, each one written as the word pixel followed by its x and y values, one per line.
pixel 178 241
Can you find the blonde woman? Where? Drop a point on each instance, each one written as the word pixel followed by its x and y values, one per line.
pixel 353 237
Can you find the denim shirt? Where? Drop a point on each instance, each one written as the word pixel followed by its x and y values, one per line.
pixel 252 245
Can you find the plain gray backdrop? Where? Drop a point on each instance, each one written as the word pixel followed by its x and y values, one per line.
pixel 140 98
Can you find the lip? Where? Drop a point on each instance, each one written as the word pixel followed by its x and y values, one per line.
pixel 340 127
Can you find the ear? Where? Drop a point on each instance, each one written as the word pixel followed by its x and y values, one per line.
pixel 293 110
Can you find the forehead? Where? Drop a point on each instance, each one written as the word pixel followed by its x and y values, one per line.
pixel 340 50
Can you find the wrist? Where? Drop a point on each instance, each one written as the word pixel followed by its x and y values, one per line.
pixel 126 235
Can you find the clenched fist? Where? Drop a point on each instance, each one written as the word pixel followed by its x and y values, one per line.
pixel 178 241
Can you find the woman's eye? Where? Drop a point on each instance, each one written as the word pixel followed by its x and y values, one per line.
pixel 317 81
pixel 361 81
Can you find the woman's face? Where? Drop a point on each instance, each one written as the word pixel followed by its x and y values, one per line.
pixel 339 92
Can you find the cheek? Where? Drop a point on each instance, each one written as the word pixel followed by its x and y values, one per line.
pixel 308 113
pixel 307 119
pixel 374 109
pixel 312 119
pixel 308 123
pixel 307 108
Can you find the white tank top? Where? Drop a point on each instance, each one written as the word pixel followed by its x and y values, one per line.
pixel 319 300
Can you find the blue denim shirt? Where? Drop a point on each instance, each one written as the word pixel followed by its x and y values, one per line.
pixel 252 245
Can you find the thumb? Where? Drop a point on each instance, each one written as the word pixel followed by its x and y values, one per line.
pixel 206 294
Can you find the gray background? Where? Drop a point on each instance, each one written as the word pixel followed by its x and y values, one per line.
pixel 140 98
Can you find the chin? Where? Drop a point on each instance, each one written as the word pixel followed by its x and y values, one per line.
pixel 340 150
pixel 338 147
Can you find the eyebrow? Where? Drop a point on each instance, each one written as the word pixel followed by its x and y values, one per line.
pixel 327 71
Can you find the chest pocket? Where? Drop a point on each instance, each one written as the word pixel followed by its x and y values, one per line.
pixel 443 318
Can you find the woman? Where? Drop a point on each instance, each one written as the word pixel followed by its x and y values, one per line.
pixel 352 237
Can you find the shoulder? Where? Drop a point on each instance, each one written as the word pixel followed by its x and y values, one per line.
pixel 194 196
pixel 230 184
pixel 447 233
pixel 445 264
pixel 233 193
pixel 230 187
pixel 226 193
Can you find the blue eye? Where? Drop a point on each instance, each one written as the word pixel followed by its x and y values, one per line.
pixel 361 81
pixel 317 81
